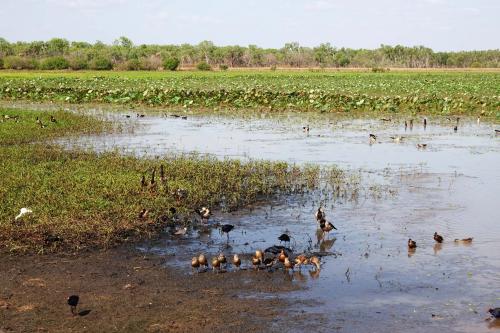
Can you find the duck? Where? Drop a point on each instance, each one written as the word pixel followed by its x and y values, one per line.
pixel 53 119
pixel 397 138
pixel 412 244
pixel 222 258
pixel 464 240
pixel 326 226
pixel 236 261
pixel 421 145
pixel 255 261
pixel 215 264
pixel 195 263
pixel 288 264
pixel 495 312
pixel 316 262
pixel 202 260
pixel 23 211
pixel 181 231
pixel 204 213
pixel 282 256
pixel 269 261
pixel 73 303
pixel 438 238
pixel 300 259
pixel 455 129
pixel 259 254
pixel 373 138
pixel 320 214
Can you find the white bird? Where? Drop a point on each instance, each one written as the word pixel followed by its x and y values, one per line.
pixel 23 212
pixel 181 232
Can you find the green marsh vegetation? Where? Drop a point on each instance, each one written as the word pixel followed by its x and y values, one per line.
pixel 407 93
pixel 83 199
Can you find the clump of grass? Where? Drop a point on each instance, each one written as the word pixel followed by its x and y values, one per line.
pixel 83 199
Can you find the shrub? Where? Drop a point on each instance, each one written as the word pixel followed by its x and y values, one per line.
pixel 54 63
pixel 101 63
pixel 223 67
pixel 152 63
pixel 78 63
pixel 203 66
pixel 273 67
pixel 15 62
pixel 476 64
pixel 380 70
pixel 171 64
pixel 132 65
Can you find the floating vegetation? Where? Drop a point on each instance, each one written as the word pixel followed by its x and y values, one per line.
pixel 430 93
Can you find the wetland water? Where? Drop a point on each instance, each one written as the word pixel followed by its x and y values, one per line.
pixel 370 283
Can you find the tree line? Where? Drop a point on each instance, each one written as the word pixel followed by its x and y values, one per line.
pixel 123 54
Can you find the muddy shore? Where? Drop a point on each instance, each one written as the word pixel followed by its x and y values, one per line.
pixel 126 291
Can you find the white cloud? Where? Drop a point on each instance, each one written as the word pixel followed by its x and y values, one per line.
pixel 320 5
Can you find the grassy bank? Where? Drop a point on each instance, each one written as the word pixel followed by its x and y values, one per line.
pixel 425 93
pixel 81 199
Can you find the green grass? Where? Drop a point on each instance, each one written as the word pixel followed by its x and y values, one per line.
pixel 82 199
pixel 437 93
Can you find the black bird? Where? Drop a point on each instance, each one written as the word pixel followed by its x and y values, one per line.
pixel 73 302
pixel 425 122
pixel 226 228
pixel 438 238
pixel 284 238
pixel 455 129
pixel 140 115
pixel 495 312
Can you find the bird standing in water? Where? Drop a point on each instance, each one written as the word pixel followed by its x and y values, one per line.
pixel 226 228
pixel 284 238
pixel 412 244
pixel 326 226
pixel 495 312
pixel 236 261
pixel 320 214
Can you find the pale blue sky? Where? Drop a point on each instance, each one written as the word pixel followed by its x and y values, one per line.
pixel 439 24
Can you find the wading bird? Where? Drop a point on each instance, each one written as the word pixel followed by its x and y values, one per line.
pixel 181 231
pixel 425 123
pixel 23 211
pixel 316 262
pixel 412 244
pixel 53 119
pixel 305 129
pixel 411 124
pixel 438 238
pixel 397 138
pixel 222 259
pixel 455 129
pixel 215 264
pixel 226 228
pixel 288 264
pixel 73 303
pixel 373 138
pixel 255 262
pixel 204 213
pixel 421 145
pixel 282 256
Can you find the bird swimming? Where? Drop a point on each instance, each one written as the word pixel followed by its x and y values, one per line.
pixel 464 240
pixel 23 211
pixel 284 238
pixel 438 238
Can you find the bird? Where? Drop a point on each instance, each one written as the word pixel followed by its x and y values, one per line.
pixel 284 238
pixel 455 129
pixel 406 125
pixel 255 261
pixel 397 138
pixel 373 138
pixel 305 129
pixel 412 244
pixel 421 145
pixel 204 213
pixel 140 115
pixel 181 231
pixel 259 254
pixel 143 213
pixel 23 211
pixel 202 260
pixel 316 262
pixel 73 302
pixel 438 238
pixel 222 258
pixel 181 194
pixel 300 259
pixel 411 123
pixel 320 214
pixel 195 263
pixel 464 240
pixel 236 261
pixel 326 226
pixel 226 228
pixel 425 122
pixel 282 256
pixel 268 262
pixel 495 312
pixel 215 263
pixel 497 132
pixel 288 264
pixel 53 119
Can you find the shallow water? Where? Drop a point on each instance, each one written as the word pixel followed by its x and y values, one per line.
pixel 371 283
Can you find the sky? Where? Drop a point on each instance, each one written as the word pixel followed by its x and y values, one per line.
pixel 443 25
